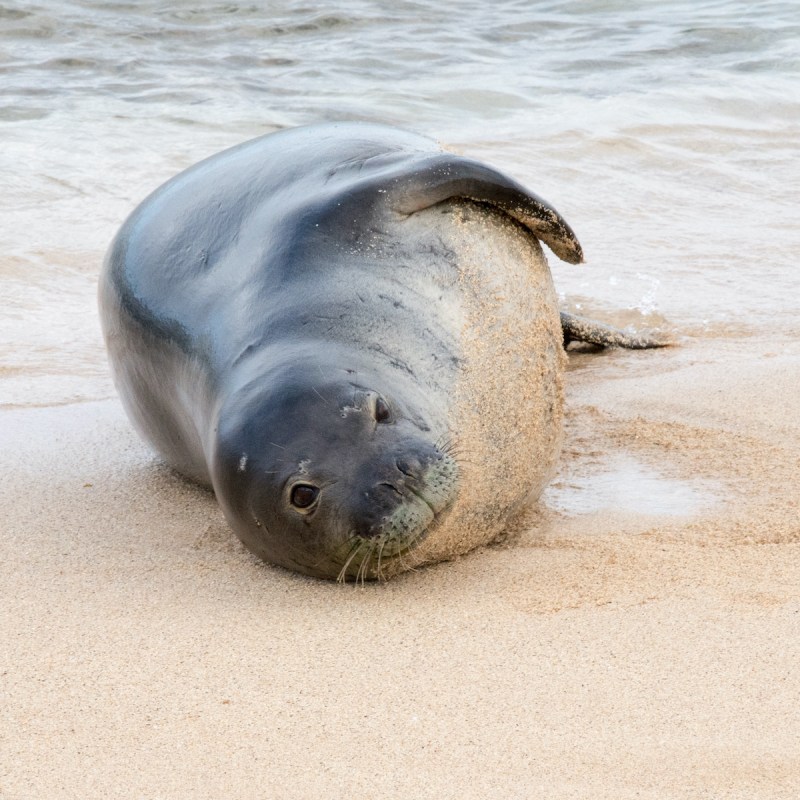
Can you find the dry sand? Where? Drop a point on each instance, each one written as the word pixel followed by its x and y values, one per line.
pixel 640 638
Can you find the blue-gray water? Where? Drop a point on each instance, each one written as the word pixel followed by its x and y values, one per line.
pixel 667 133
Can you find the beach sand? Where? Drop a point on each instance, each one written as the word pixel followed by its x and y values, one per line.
pixel 639 638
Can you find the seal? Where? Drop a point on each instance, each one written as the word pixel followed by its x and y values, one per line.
pixel 351 336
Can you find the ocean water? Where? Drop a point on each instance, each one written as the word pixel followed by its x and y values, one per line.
pixel 666 132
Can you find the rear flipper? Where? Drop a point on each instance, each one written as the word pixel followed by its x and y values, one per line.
pixel 580 329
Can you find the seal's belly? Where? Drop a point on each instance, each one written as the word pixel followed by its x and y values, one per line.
pixel 505 397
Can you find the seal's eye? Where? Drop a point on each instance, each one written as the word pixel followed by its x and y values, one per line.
pixel 304 495
pixel 382 413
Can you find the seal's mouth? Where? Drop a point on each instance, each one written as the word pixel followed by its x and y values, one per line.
pixel 416 516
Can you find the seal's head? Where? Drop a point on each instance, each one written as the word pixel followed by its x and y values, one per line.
pixel 331 478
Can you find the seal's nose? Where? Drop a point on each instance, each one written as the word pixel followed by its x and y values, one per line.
pixel 381 500
pixel 391 499
pixel 410 466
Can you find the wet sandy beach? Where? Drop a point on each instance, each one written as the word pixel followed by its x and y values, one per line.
pixel 606 651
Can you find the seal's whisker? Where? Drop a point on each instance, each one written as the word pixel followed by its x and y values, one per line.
pixel 400 555
pixel 380 554
pixel 408 567
pixel 359 570
pixel 359 563
pixel 449 446
pixel 458 453
pixel 333 556
pixel 414 542
pixel 372 551
pixel 445 442
pixel 459 459
pixel 363 569
pixel 356 551
pixel 375 573
pixel 453 448
pixel 361 546
pixel 342 577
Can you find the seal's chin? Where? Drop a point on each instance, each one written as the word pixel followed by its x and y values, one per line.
pixel 416 515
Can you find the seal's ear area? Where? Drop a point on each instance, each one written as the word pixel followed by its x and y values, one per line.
pixel 433 180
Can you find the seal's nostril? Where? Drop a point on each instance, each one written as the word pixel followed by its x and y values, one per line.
pixel 405 467
pixel 391 486
pixel 382 413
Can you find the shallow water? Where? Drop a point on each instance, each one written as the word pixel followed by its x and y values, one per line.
pixel 666 133
pixel 626 485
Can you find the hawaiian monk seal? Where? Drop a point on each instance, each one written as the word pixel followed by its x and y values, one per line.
pixel 351 336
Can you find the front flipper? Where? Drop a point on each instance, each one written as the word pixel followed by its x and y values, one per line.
pixel 425 182
pixel 580 329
